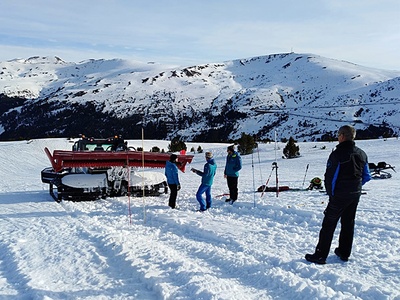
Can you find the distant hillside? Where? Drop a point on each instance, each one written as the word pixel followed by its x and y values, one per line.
pixel 301 95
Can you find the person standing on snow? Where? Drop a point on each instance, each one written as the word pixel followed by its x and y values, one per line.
pixel 171 172
pixel 207 179
pixel 231 173
pixel 346 171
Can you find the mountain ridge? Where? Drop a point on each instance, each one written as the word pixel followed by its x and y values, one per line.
pixel 310 97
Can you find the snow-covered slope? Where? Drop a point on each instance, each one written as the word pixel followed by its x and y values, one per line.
pixel 311 94
pixel 121 248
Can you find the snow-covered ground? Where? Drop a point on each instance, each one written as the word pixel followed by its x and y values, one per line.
pixel 142 249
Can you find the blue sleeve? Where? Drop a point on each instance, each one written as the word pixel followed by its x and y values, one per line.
pixel 366 175
pixel 334 179
pixel 331 174
pixel 200 173
pixel 206 171
pixel 176 177
pixel 171 172
pixel 239 163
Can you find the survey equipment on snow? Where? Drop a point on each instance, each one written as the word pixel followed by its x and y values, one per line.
pixel 380 170
pixel 101 168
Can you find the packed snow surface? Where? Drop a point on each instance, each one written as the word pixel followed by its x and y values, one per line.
pixel 85 180
pixel 139 248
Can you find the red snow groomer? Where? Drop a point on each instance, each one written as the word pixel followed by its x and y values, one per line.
pixel 101 168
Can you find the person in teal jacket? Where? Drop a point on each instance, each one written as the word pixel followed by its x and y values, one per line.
pixel 171 172
pixel 207 179
pixel 231 173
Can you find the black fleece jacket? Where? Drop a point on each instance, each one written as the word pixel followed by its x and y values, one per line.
pixel 346 171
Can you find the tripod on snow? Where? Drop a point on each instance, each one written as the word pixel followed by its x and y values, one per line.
pixel 265 188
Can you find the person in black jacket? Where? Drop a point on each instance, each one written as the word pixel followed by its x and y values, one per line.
pixel 231 173
pixel 346 171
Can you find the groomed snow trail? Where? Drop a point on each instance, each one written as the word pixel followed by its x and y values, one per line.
pixel 253 249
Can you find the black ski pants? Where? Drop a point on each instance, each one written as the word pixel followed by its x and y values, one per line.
pixel 343 208
pixel 173 194
pixel 233 187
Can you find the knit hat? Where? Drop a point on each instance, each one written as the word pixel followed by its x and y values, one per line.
pixel 209 155
pixel 173 158
pixel 231 148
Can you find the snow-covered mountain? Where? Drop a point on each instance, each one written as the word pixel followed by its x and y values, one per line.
pixel 301 95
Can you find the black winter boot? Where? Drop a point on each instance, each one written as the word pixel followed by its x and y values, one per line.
pixel 316 258
pixel 337 252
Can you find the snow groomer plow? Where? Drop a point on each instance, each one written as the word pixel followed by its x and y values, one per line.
pixel 101 168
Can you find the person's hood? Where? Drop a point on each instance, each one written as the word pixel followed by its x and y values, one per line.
pixel 211 161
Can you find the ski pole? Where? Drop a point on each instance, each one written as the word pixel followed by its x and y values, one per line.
pixel 305 176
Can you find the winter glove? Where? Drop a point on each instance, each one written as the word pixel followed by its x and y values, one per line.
pixel 178 187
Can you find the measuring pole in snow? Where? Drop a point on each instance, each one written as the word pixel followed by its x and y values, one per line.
pixel 129 195
pixel 254 187
pixel 304 179
pixel 259 163
pixel 143 183
pixel 276 168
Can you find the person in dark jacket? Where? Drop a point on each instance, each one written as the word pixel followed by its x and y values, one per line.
pixel 207 179
pixel 231 173
pixel 171 172
pixel 346 171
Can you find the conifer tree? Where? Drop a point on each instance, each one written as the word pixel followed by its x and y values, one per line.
pixel 246 144
pixel 177 145
pixel 291 150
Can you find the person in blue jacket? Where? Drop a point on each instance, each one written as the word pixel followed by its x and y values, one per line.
pixel 231 173
pixel 171 172
pixel 346 172
pixel 207 179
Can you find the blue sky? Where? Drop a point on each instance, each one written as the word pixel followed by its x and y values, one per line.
pixel 188 32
